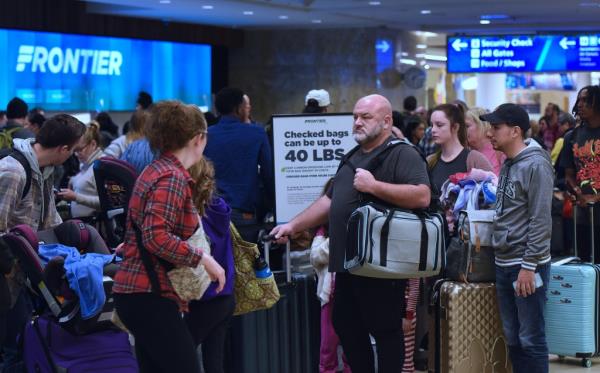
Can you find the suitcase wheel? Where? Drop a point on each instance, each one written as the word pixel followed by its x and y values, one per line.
pixel 586 363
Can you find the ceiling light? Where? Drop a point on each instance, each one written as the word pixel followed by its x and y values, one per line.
pixel 408 61
pixel 421 46
pixel 207 7
pixel 425 34
pixel 485 21
pixel 420 55
pixel 469 84
pixel 435 57
pixel 283 17
pixel 426 67
pixel 374 3
pixel 165 1
pixel 404 54
pixel 422 63
pixel 248 12
pixel 316 21
pixel 425 11
pixel 494 16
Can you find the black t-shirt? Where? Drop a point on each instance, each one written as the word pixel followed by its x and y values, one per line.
pixel 442 170
pixel 402 165
pixel 582 154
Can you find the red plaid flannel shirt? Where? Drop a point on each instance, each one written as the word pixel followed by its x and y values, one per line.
pixel 161 206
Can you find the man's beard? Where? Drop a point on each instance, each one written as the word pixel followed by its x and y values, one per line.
pixel 363 138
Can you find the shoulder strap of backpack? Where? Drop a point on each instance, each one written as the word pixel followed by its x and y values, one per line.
pixel 20 157
pixel 346 159
pixel 376 162
pixel 12 131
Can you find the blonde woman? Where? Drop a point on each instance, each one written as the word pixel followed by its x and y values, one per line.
pixel 82 192
pixel 478 140
pixel 136 131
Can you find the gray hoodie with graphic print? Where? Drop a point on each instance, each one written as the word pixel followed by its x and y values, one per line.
pixel 523 223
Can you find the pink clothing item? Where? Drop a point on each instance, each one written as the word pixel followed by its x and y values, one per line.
pixel 496 158
pixel 328 361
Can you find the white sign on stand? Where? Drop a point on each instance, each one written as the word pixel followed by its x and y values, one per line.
pixel 307 151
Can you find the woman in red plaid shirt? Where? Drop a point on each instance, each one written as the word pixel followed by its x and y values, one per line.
pixel 162 208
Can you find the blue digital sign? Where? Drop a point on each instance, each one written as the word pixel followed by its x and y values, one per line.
pixel 523 53
pixel 384 54
pixel 76 72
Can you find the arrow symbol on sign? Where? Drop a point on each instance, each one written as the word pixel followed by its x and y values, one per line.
pixel 383 46
pixel 457 44
pixel 565 43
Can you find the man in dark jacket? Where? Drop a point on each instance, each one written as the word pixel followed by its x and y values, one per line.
pixel 241 155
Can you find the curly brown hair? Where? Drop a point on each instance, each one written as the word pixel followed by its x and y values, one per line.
pixel 173 124
pixel 203 174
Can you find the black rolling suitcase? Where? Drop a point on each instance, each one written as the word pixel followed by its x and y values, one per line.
pixel 284 338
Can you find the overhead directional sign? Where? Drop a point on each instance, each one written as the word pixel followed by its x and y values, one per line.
pixel 523 53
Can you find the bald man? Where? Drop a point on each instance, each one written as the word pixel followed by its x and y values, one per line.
pixel 362 305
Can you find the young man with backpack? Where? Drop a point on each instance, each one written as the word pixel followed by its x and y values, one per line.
pixel 26 182
pixel 366 306
pixel 521 237
pixel 16 114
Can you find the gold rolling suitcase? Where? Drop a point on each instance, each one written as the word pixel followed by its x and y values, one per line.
pixel 465 334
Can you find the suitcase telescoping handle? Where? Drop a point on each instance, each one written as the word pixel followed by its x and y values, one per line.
pixel 591 206
pixel 267 240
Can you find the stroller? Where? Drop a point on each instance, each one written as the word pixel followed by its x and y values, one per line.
pixel 49 284
pixel 59 338
pixel 115 180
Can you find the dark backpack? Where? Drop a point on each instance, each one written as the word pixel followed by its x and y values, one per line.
pixel 20 157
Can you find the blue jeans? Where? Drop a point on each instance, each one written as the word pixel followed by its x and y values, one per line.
pixel 523 320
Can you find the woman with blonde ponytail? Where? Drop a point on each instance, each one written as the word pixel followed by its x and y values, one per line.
pixel 82 192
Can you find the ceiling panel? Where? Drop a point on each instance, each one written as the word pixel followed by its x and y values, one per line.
pixel 451 16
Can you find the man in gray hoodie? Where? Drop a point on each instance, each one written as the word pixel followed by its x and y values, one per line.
pixel 33 205
pixel 522 230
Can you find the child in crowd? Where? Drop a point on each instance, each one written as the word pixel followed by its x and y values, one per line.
pixel 409 323
pixel 319 258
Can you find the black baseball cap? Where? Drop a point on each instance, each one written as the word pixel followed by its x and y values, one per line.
pixel 509 114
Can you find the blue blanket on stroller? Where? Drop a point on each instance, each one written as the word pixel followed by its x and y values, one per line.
pixel 84 274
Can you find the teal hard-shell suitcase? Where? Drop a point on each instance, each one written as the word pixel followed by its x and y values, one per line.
pixel 572 310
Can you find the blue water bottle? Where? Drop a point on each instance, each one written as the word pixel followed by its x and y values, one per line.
pixel 261 268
